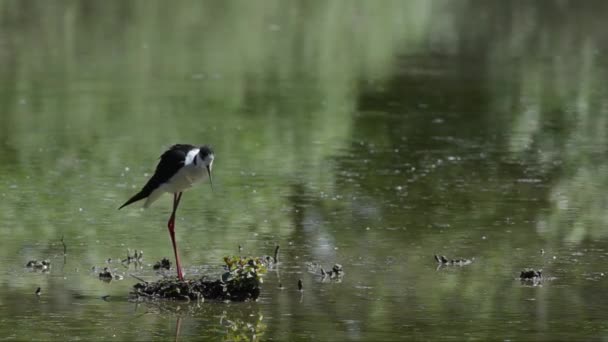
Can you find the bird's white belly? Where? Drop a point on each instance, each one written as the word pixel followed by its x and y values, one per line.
pixel 185 178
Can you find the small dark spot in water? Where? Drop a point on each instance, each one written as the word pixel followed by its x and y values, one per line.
pixel 163 264
pixel 106 274
pixel 300 287
pixel 336 273
pixel 443 261
pixel 529 274
pixel 532 277
pixel 43 265
pixel 38 291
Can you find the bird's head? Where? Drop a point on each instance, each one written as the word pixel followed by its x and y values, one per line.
pixel 206 155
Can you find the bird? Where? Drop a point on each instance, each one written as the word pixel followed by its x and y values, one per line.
pixel 179 168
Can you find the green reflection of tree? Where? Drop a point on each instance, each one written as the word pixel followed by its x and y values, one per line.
pixel 557 114
pixel 92 91
pixel 62 312
pixel 524 128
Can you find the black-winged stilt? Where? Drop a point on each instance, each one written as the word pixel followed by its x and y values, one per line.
pixel 180 167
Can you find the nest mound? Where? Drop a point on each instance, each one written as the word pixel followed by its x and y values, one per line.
pixel 173 288
pixel 240 282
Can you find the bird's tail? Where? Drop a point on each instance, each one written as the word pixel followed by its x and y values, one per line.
pixel 139 196
pixel 154 195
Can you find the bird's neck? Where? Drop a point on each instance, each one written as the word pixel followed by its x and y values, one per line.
pixel 198 161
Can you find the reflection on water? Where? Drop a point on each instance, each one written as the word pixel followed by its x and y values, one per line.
pixel 370 136
pixel 240 322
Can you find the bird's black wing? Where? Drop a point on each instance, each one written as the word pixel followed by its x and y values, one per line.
pixel 170 162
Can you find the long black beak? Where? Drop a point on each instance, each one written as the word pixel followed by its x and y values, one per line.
pixel 210 180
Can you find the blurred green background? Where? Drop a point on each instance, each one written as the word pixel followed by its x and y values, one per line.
pixel 370 134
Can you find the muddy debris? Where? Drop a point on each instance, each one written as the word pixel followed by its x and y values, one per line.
pixel 107 275
pixel 43 265
pixel 163 264
pixel 532 277
pixel 530 274
pixel 240 281
pixel 271 261
pixel 335 273
pixel 443 261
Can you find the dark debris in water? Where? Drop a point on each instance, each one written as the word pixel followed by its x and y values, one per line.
pixel 532 277
pixel 107 275
pixel 173 288
pixel 335 273
pixel 240 282
pixel 530 274
pixel 443 261
pixel 163 264
pixel 43 265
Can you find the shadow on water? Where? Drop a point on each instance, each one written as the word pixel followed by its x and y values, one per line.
pixel 369 136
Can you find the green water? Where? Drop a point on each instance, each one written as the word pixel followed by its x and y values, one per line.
pixel 369 134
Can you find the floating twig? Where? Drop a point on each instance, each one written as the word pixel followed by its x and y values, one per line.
pixel 138 278
pixel 65 248
pixel 276 254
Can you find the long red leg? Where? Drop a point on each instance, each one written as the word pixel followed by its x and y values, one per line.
pixel 171 225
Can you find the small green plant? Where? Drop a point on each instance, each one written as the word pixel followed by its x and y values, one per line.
pixel 244 268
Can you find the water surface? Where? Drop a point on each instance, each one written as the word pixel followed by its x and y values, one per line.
pixel 370 136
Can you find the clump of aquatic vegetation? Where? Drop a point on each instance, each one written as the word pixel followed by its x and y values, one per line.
pixel 240 281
